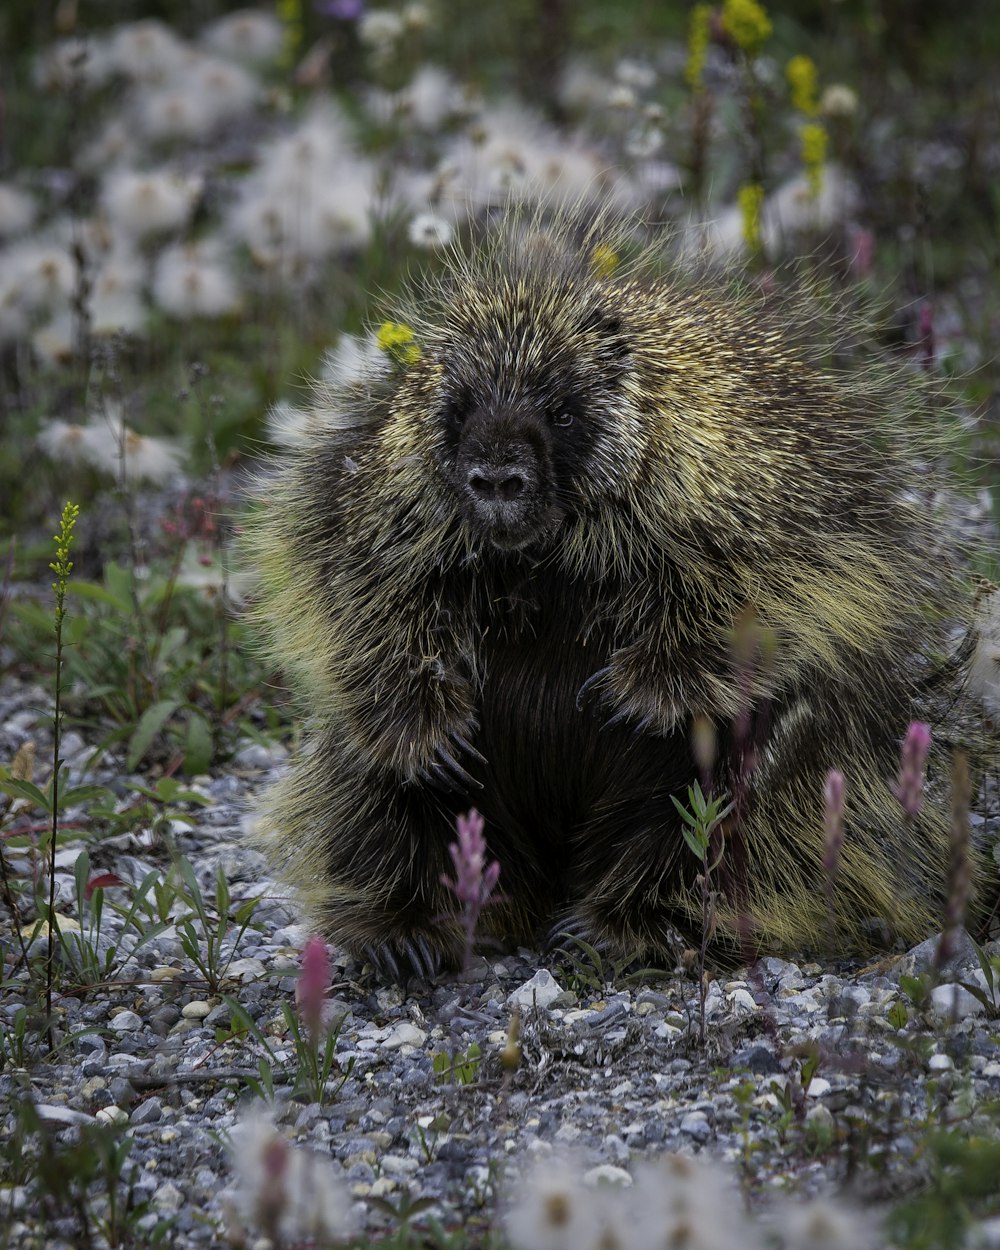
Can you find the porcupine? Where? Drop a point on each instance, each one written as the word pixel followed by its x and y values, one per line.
pixel 509 570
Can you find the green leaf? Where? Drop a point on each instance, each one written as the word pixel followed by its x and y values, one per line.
pixel 683 812
pixel 25 790
pixel 81 794
pixel 150 724
pixel 101 594
pixel 197 744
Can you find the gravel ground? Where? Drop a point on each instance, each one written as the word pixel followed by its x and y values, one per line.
pixel 610 1069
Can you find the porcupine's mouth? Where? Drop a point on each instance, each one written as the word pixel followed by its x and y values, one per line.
pixel 515 534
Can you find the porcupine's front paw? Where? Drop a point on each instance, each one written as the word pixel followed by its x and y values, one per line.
pixel 423 956
pixel 638 688
pixel 423 730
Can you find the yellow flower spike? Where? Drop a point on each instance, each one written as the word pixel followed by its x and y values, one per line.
pixel 803 80
pixel 751 199
pixel 746 23
pixel 604 260
pixel 395 338
pixel 813 139
pixel 699 34
pixel 290 16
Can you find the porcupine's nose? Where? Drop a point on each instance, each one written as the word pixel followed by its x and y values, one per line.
pixel 504 482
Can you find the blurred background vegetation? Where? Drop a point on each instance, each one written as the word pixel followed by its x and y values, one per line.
pixel 202 207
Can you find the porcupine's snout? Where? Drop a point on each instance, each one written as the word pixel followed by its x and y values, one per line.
pixel 503 475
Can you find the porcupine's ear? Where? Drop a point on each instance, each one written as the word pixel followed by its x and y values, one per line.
pixel 607 325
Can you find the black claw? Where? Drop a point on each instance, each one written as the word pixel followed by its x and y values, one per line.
pixel 432 958
pixel 460 774
pixel 591 681
pixel 468 748
pixel 413 955
pixel 387 962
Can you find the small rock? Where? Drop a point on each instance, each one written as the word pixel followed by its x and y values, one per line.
pixel 541 991
pixel 54 1114
pixel 696 1125
pixel 948 1000
pixel 923 957
pixel 818 1087
pixel 940 1063
pixel 112 1115
pixel 168 1197
pixel 742 1003
pixel 147 1112
pixel 404 1034
pixel 196 1010
pixel 126 1022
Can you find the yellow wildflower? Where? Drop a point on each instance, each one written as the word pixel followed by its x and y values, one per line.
pixel 604 260
pixel 746 23
pixel 751 199
pixel 802 78
pixel 699 33
pixel 395 338
pixel 812 137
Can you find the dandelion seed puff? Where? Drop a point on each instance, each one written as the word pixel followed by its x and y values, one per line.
pixel 13 312
pixel 694 1204
pixel 430 231
pixel 55 342
pixel 510 151
pixel 115 144
pixel 228 90
pixel 249 36
pixel 43 273
pixel 170 112
pixel 313 152
pixel 64 442
pixel 427 102
pixel 290 1193
pixel 192 280
pixel 582 89
pixel 144 204
pixel 550 1209
pixel 416 17
pixel 345 210
pixel 72 64
pixel 823 1225
pixel 380 29
pixel 637 74
pixel 838 100
pixel 116 295
pixel 793 208
pixel 110 443
pixel 17 210
pixel 291 222
pixel 146 51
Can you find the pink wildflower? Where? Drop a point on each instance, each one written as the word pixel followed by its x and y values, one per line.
pixel 474 879
pixel 909 789
pixel 313 983
pixel 833 821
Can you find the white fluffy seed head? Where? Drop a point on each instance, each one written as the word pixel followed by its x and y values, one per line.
pixel 249 36
pixel 194 280
pixel 145 204
pixel 17 210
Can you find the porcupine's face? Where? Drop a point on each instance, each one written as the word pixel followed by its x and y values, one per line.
pixel 522 400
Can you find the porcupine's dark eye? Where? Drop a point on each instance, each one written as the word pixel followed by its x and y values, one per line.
pixel 455 410
pixel 563 415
